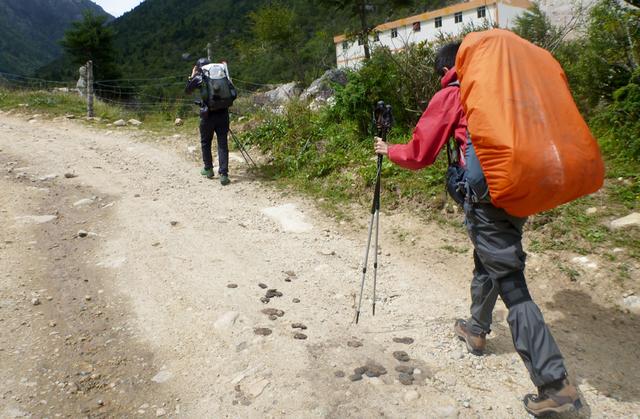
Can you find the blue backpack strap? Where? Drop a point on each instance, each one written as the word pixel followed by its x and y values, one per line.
pixel 476 183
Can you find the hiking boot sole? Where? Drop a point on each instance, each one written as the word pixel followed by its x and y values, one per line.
pixel 470 349
pixel 568 407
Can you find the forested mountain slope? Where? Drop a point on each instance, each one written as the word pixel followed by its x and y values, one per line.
pixel 31 30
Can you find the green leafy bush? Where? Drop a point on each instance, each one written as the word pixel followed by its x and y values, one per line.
pixel 405 80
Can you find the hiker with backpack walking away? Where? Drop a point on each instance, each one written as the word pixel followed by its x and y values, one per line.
pixel 217 95
pixel 495 233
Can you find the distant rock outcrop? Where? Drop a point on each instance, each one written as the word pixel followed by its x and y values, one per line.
pixel 322 90
pixel 280 95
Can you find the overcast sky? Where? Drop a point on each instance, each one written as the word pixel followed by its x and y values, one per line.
pixel 118 7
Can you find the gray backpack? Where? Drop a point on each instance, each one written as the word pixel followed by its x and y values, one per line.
pixel 220 92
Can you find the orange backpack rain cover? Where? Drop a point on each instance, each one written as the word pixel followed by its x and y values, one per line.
pixel 535 149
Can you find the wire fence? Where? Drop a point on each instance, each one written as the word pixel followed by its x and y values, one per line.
pixel 143 95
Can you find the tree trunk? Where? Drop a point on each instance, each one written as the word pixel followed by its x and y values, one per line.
pixel 364 29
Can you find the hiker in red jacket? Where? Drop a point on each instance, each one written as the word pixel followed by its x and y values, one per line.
pixel 497 239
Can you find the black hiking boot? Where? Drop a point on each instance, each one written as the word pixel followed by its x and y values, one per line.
pixel 475 343
pixel 557 397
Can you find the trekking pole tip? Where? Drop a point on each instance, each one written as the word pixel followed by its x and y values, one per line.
pixel 357 316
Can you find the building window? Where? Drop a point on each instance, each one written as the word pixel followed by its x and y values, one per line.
pixel 394 33
pixel 360 41
pixel 482 12
pixel 376 37
pixel 416 26
pixel 458 17
pixel 438 22
pixel 345 46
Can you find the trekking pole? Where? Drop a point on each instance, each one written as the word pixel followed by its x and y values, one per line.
pixel 243 151
pixel 382 118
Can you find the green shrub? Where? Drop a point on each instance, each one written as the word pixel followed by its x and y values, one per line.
pixel 405 80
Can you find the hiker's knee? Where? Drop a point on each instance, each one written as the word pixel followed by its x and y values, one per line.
pixel 513 289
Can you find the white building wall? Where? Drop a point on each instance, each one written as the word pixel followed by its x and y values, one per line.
pixel 354 54
pixel 507 15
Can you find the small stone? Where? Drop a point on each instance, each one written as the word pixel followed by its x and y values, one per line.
pixel 405 379
pixel 630 220
pixel 273 312
pixel 70 175
pixel 87 298
pixel 35 301
pixel 466 404
pixel 406 340
pixel 262 331
pixel 178 122
pixel 299 326
pixel 632 302
pixel 296 300
pixel 263 286
pixel 273 293
pixel 173 223
pixel 162 377
pixel 591 211
pixel 411 395
pixel 52 324
pixel 360 370
pixel 355 377
pixel 354 343
pixel 265 300
pixel 401 356
pixel 82 233
pixel 339 374
pixel 134 122
pixel 160 412
pixel 120 123
pixel 300 336
pixel 83 202
pixel 374 369
pixel 404 369
pixel 232 285
pixel 100 402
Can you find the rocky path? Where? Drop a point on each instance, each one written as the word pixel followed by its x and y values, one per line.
pixel 130 286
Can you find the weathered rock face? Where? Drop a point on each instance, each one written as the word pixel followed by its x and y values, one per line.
pixel 321 90
pixel 567 12
pixel 280 95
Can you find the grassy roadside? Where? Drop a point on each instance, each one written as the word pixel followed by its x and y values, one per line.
pixel 333 162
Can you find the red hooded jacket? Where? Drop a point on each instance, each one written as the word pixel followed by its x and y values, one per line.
pixel 444 118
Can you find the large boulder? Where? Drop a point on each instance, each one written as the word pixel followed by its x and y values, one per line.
pixel 321 90
pixel 280 95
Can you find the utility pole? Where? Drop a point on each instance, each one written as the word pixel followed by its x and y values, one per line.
pixel 90 89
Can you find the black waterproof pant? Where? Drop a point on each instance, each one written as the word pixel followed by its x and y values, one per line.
pixel 218 123
pixel 499 270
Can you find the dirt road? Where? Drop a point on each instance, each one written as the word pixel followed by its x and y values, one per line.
pixel 132 288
